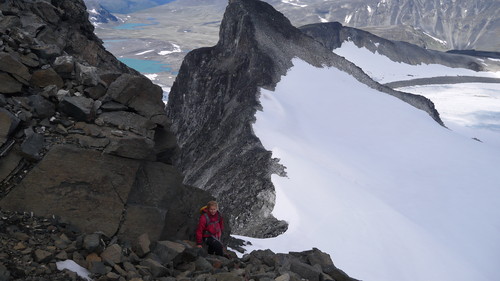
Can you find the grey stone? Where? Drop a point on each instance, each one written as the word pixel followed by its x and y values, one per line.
pixel 79 108
pixel 92 242
pixel 227 276
pixel 86 75
pixel 305 271
pixel 45 77
pixel 8 123
pixel 97 267
pixel 156 269
pixel 83 186
pixel 9 85
pixel 283 277
pixel 91 142
pixel 4 273
pixel 203 265
pixel 139 93
pixel 42 107
pixel 143 245
pixel 156 184
pixel 131 146
pixel 113 106
pixel 42 255
pixel 97 92
pixel 64 66
pixel 167 250
pixel 128 121
pixel 30 59
pixel 46 51
pixel 11 64
pixel 33 144
pixel 113 253
pixel 49 91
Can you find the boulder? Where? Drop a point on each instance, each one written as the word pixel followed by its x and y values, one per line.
pixel 10 64
pixel 142 245
pixel 127 121
pixel 30 59
pixel 9 163
pixel 305 270
pixel 113 254
pixel 8 123
pixel 139 93
pixel 159 190
pixel 168 250
pixel 156 269
pixel 9 85
pixel 42 107
pixel 64 66
pixel 82 186
pixel 32 145
pixel 86 75
pixel 92 242
pixel 46 51
pixel 79 108
pixel 96 92
pixel 45 77
pixel 131 146
pixel 113 106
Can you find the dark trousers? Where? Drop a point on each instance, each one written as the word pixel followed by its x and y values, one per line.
pixel 214 246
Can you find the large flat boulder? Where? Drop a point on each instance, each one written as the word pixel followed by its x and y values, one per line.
pixel 82 186
pixel 139 93
pixel 161 204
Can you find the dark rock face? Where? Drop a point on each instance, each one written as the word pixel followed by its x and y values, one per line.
pixel 332 35
pixel 78 131
pixel 213 102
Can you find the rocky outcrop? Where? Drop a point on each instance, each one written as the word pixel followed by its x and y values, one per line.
pixel 333 34
pixel 37 248
pixel 213 102
pixel 82 136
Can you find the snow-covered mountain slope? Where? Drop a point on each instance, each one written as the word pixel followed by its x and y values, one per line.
pixel 435 24
pixel 99 14
pixel 386 191
pixel 473 109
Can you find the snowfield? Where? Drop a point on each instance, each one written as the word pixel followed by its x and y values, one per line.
pixel 471 109
pixel 379 185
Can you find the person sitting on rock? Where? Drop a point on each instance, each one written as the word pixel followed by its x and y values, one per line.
pixel 210 227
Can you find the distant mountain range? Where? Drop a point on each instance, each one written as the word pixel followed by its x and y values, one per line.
pixel 433 24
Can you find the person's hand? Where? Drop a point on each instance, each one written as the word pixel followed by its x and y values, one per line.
pixel 199 246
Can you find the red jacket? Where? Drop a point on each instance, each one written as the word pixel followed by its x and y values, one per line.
pixel 212 228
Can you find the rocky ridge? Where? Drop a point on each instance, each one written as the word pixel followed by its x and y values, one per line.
pixel 333 34
pixel 213 102
pixel 31 248
pixel 82 136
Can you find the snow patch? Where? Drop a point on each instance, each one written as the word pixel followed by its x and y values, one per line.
pixel 177 49
pixel 145 52
pixel 73 266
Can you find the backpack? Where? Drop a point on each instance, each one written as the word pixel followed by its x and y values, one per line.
pixel 207 219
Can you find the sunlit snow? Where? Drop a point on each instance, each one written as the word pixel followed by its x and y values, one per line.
pixel 379 185
pixel 384 70
pixel 73 266
pixel 472 109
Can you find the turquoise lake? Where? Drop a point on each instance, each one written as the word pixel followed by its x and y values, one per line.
pixel 136 26
pixel 146 66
